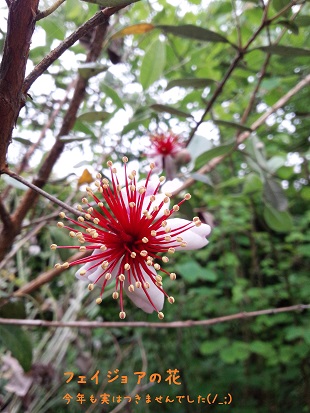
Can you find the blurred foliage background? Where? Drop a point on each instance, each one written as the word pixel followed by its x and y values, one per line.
pixel 161 73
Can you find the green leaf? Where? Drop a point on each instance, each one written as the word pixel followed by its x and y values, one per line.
pixel 171 110
pixel 198 145
pixel 191 271
pixel 204 158
pixel 24 141
pixel 113 95
pixel 237 351
pixel 279 221
pixel 15 339
pixel 252 184
pixel 94 116
pixel 87 70
pixel 211 347
pixel 193 32
pixel 292 26
pixel 13 182
pixel 274 195
pixel 232 125
pixel 285 50
pixel 275 163
pixel 193 82
pixel 153 63
pixel 302 21
pixel 53 29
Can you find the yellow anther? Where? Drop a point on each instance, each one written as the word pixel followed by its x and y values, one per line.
pixel 127 266
pixel 171 250
pixel 187 197
pixel 85 200
pixel 176 208
pixel 152 165
pixel 91 287
pixel 183 244
pixel 81 219
pixel 143 253
pixel 99 300
pixel 100 204
pixel 96 221
pixel 132 204
pixel 108 276
pixel 153 233
pixel 164 224
pixel 125 159
pixel 179 239
pixel 104 265
pixel 171 300
pixel 165 259
pixel 110 163
pixel 65 265
pixel 146 285
pixel 138 284
pixel 157 266
pixel 142 190
pixel 167 238
pixel 166 199
pixel 103 247
pixel 98 176
pixel 133 255
pixel 121 277
pixel 57 265
pixel 60 224
pixel 80 208
pixel 152 198
pixel 53 246
pixel 145 240
pixel 82 272
pixel 62 215
pixel 158 278
pixel 167 212
pixel 132 188
pixel 131 288
pixel 87 216
pixel 72 234
pixel 162 179
pixel 122 315
pixel 161 315
pixel 82 249
pixel 173 276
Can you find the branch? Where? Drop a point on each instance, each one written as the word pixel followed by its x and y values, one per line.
pixel 41 192
pixel 145 324
pixel 47 276
pixel 241 138
pixel 50 10
pixel 21 23
pixel 5 216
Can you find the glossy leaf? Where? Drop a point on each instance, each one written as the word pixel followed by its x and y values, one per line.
pixel 285 50
pixel 87 70
pixel 153 63
pixel 232 125
pixel 252 184
pixel 190 31
pixel 279 221
pixel 194 83
pixel 207 156
pixel 171 110
pixel 93 116
pixel 274 194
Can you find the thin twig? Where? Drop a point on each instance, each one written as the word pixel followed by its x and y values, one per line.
pixel 241 138
pixel 146 324
pixel 46 276
pixel 41 192
pixel 100 17
pixel 50 10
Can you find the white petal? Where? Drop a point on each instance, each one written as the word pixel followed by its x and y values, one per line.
pixel 195 237
pixel 88 265
pixel 158 199
pixel 139 297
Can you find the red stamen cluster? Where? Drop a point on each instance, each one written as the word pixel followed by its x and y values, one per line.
pixel 126 231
